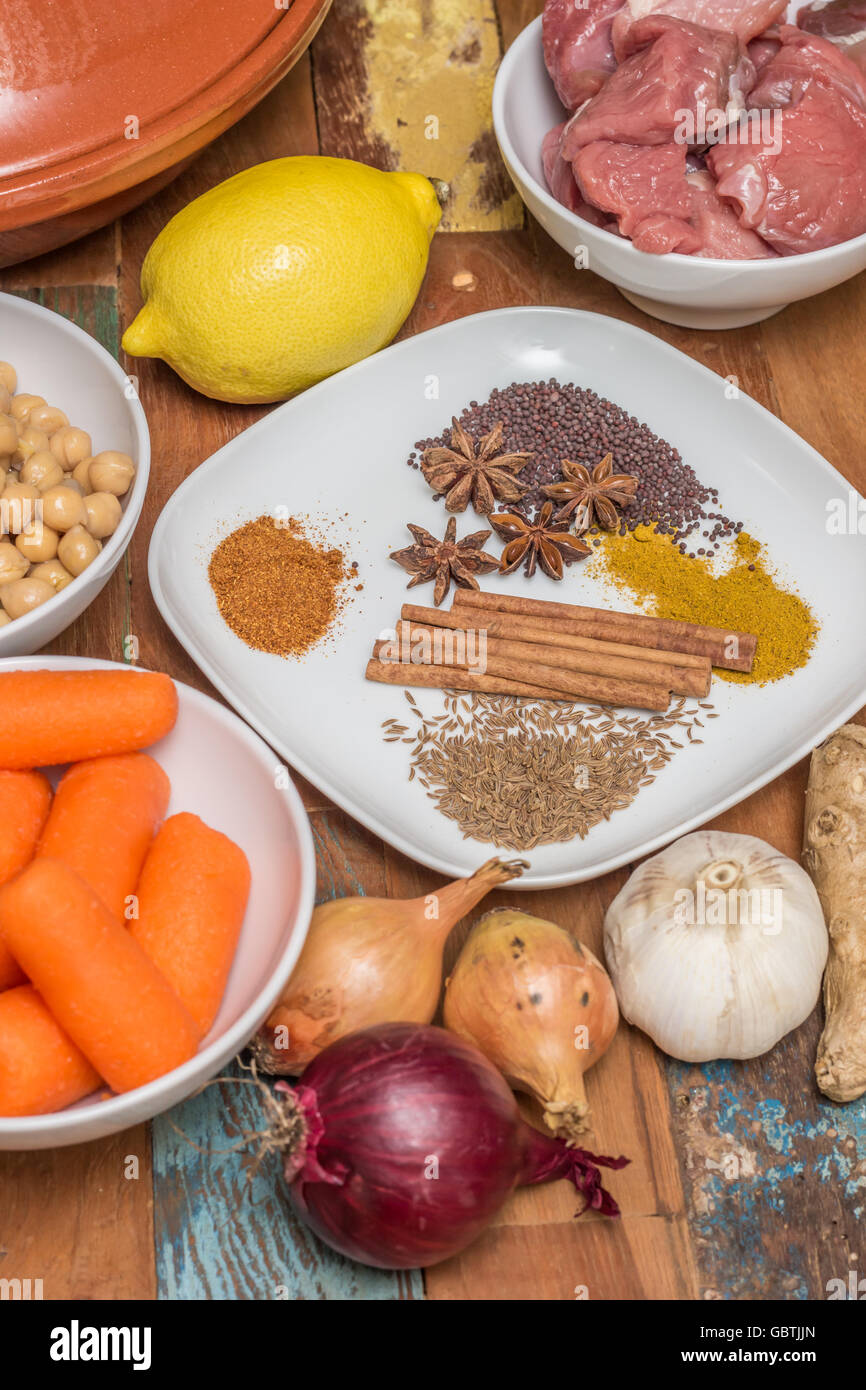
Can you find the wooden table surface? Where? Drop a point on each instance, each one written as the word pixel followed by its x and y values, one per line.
pixel 744 1183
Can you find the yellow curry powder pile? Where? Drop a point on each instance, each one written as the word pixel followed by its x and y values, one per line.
pixel 276 590
pixel 746 597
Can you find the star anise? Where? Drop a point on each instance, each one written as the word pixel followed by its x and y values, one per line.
pixel 542 540
pixel 477 474
pixel 446 559
pixel 592 496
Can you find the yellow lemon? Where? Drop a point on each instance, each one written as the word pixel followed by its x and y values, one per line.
pixel 283 274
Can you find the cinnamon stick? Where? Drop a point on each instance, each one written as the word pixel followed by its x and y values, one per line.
pixel 454 678
pixel 445 642
pixel 577 685
pixel 732 651
pixel 694 673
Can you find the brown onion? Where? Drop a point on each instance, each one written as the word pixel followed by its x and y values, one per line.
pixel 540 1007
pixel 368 961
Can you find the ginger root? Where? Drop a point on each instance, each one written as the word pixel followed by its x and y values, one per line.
pixel 834 853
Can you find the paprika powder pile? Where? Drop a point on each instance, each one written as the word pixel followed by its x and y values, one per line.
pixel 276 590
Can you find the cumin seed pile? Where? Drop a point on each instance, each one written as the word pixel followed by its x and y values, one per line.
pixel 521 773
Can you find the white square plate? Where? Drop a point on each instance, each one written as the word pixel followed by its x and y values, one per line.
pixel 337 455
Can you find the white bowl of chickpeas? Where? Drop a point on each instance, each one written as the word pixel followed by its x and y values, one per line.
pixel 74 464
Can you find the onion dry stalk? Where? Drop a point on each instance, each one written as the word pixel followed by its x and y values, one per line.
pixel 539 1005
pixel 368 961
pixel 402 1143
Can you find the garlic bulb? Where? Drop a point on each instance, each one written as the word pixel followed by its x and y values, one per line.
pixel 716 947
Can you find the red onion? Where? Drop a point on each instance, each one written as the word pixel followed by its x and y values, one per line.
pixel 409 1142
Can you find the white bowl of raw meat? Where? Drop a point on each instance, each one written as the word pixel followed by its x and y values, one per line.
pixel 705 156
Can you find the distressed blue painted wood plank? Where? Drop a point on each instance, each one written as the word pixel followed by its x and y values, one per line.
pixel 774 1174
pixel 220 1235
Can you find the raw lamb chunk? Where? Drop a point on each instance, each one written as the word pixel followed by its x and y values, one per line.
pixel 561 180
pixel 806 188
pixel 578 50
pixel 671 68
pixel 634 182
pixel 745 18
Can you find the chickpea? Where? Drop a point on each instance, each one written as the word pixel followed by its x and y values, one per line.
pixel 8 435
pixel 103 514
pixel 37 543
pixel 23 595
pixel 4 477
pixel 63 508
pixel 81 474
pixel 17 506
pixel 42 470
pixel 111 472
pixel 5 401
pixel 12 563
pixel 30 441
pixel 53 573
pixel 21 491
pixel 5 620
pixel 77 550
pixel 48 418
pixel 9 377
pixel 70 446
pixel 22 406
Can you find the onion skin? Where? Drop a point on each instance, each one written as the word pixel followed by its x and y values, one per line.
pixel 540 1007
pixel 367 961
pixel 385 1108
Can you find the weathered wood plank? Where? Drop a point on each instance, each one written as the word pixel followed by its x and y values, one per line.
pixel 514 15
pixel 80 1219
pixel 738 355
pixel 471 272
pixel 90 261
pixel 403 84
pixel 814 349
pixel 221 1234
pixel 590 1259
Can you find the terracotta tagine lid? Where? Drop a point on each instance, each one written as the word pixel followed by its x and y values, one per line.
pixel 97 97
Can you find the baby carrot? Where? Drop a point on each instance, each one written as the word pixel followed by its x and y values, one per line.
pixel 192 897
pixel 41 1069
pixel 106 812
pixel 99 984
pixel 25 798
pixel 49 717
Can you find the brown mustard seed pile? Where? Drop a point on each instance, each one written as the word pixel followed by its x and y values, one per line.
pixel 276 590
pixel 555 420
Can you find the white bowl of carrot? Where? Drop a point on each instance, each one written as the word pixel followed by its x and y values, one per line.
pixel 55 361
pixel 157 878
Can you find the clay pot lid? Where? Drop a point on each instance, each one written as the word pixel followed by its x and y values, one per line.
pixel 91 87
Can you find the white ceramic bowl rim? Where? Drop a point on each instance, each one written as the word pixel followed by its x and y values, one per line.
pixel 129 1105
pixel 135 498
pixel 529 37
